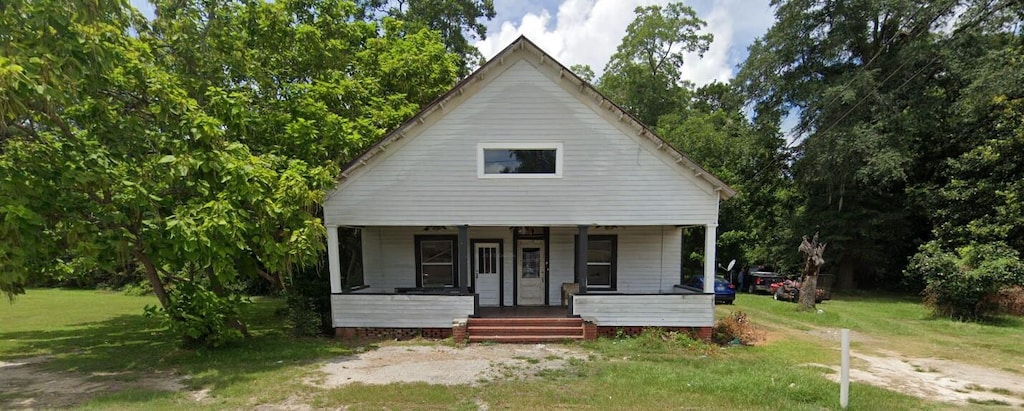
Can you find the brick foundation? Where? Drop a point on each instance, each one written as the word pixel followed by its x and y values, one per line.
pixel 589 330
pixel 701 333
pixel 392 333
pixel 459 331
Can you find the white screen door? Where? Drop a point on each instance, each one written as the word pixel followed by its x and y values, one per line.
pixel 486 270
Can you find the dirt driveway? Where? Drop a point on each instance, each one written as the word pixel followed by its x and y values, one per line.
pixel 26 384
pixel 929 378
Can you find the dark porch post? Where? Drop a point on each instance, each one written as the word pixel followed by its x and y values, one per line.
pixel 581 259
pixel 464 259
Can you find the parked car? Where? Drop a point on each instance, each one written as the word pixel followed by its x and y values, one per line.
pixel 725 292
pixel 761 281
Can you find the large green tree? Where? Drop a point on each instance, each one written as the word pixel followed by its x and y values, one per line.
pixel 458 22
pixel 643 75
pixel 878 87
pixel 195 148
pixel 710 124
pixel 855 72
pixel 714 129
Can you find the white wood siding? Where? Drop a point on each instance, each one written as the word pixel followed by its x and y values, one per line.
pixel 611 176
pixel 389 255
pixel 399 311
pixel 648 257
pixel 667 310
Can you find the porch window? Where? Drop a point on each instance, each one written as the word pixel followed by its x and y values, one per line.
pixel 601 261
pixel 435 260
pixel 519 160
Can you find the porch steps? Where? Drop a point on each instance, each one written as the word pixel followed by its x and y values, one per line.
pixel 524 330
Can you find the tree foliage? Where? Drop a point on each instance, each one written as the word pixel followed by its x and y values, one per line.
pixel 453 19
pixel 643 75
pixel 709 123
pixel 880 89
pixel 960 283
pixel 196 147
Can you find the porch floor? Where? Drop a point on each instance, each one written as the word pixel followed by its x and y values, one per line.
pixel 524 312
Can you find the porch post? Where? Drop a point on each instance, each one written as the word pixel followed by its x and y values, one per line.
pixel 333 258
pixel 464 259
pixel 709 257
pixel 581 259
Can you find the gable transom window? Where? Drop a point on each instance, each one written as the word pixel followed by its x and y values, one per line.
pixel 435 260
pixel 519 160
pixel 601 261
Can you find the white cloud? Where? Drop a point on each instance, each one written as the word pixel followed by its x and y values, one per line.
pixel 588 32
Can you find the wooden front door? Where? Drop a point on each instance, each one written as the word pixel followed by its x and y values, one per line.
pixel 531 263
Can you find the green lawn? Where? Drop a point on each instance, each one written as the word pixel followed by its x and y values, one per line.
pixel 86 332
pixel 93 332
pixel 898 321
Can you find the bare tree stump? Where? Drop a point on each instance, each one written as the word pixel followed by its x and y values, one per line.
pixel 812 251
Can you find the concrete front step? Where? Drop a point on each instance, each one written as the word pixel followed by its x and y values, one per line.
pixel 524 322
pixel 524 339
pixel 525 330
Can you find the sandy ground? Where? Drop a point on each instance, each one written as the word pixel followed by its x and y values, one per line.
pixel 929 378
pixel 445 365
pixel 28 385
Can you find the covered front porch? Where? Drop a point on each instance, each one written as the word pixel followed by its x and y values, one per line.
pixel 434 278
pixel 512 266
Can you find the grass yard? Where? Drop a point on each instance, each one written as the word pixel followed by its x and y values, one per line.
pixel 103 338
pixel 898 321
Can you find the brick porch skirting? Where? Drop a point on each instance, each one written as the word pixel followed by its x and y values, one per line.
pixel 701 333
pixel 392 333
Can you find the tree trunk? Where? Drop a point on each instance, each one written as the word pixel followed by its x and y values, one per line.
pixel 152 275
pixel 812 251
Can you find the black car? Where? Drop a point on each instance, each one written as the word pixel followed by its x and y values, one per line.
pixel 756 281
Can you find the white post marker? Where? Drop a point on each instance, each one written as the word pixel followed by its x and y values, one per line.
pixel 844 373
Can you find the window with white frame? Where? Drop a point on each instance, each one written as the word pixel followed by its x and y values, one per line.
pixel 519 160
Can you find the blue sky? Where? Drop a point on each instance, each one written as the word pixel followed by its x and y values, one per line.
pixel 588 31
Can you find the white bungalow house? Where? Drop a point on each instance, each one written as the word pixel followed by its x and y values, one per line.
pixel 521 179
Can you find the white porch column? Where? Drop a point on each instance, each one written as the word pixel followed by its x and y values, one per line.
pixel 334 258
pixel 709 257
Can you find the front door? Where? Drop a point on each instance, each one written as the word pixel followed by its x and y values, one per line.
pixel 486 272
pixel 530 272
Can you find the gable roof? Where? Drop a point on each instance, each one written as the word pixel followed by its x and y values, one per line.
pixel 436 107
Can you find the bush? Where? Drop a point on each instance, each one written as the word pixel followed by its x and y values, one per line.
pixel 964 284
pixel 734 329
pixel 309 302
pixel 200 316
pixel 1009 300
pixel 138 289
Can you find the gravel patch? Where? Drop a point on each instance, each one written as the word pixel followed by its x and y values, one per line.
pixel 445 365
pixel 934 379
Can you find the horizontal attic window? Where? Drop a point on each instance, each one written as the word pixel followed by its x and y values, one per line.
pixel 519 160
